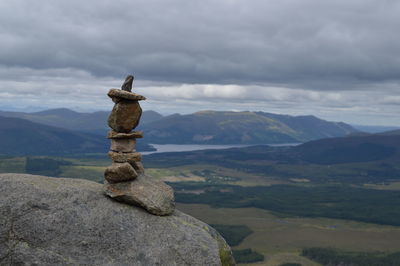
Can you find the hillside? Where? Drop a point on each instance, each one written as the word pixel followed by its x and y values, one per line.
pixel 65 118
pixel 362 159
pixel 374 129
pixel 350 149
pixel 23 137
pixel 211 127
pixel 310 127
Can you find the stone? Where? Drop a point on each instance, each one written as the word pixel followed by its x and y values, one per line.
pixel 127 85
pixel 125 116
pixel 123 145
pixel 116 135
pixel 147 192
pixel 138 166
pixel 126 95
pixel 120 157
pixel 64 221
pixel 120 172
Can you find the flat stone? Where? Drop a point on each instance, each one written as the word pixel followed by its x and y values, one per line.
pixel 126 95
pixel 123 145
pixel 125 116
pixel 132 135
pixel 119 157
pixel 151 194
pixel 120 172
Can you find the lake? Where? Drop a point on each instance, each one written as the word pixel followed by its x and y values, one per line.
pixel 195 147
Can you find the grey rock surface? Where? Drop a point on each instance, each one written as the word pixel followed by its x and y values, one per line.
pixel 153 195
pixel 57 221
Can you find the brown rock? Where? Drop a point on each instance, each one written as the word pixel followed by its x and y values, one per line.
pixel 153 195
pixel 119 157
pixel 125 116
pixel 120 172
pixel 126 95
pixel 138 166
pixel 123 145
pixel 132 135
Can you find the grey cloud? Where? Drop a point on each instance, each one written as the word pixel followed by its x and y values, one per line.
pixel 311 44
pixel 82 91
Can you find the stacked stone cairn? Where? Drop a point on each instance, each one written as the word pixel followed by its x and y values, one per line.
pixel 126 180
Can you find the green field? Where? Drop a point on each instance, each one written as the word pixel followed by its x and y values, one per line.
pixel 282 239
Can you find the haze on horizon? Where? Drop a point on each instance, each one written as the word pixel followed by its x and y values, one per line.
pixel 338 60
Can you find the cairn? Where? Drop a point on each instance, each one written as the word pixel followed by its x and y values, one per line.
pixel 125 178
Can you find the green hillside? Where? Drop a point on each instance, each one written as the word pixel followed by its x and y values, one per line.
pixel 23 137
pixel 363 159
pixel 211 127
pixel 86 122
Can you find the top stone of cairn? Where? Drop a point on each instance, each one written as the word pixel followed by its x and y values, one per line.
pixel 125 92
pixel 127 86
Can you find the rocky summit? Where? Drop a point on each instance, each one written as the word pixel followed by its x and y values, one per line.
pixel 60 221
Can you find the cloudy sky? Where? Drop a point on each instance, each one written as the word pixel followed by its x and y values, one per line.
pixel 336 59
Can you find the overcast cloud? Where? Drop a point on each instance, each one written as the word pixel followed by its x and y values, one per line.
pixel 335 59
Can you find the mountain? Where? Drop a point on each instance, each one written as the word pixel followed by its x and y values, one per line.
pixel 23 137
pixel 150 116
pixel 350 149
pixel 374 129
pixel 95 123
pixel 390 133
pixel 205 127
pixel 310 127
pixel 212 127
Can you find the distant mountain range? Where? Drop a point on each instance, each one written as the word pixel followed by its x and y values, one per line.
pixel 211 127
pixel 22 137
pixel 205 127
pixel 95 123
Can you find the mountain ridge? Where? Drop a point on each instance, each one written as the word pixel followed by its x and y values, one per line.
pixel 23 137
pixel 95 122
pixel 226 127
pixel 202 127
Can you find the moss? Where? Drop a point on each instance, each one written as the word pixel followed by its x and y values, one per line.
pixel 225 253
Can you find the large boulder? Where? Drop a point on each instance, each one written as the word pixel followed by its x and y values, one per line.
pixel 58 221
